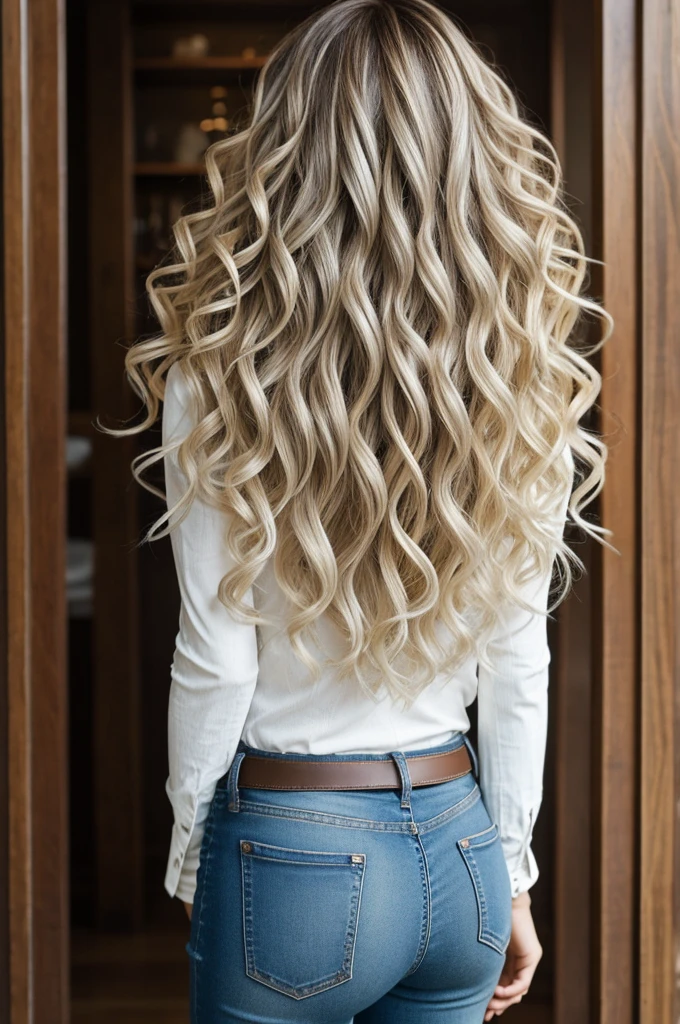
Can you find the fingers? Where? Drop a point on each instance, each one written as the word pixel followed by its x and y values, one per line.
pixel 518 985
pixel 505 995
pixel 520 982
pixel 497 1006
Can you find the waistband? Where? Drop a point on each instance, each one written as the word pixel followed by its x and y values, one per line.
pixel 293 774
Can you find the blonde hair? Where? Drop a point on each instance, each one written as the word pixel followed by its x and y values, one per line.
pixel 374 315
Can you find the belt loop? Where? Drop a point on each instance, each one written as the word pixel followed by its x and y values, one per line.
pixel 405 775
pixel 473 755
pixel 234 803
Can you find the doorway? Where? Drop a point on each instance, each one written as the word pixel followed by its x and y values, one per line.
pixel 110 90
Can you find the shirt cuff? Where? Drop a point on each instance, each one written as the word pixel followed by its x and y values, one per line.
pixel 521 863
pixel 523 873
pixel 182 867
pixel 185 842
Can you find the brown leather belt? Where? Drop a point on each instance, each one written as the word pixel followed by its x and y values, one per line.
pixel 278 773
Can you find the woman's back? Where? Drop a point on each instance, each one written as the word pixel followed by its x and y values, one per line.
pixel 371 428
pixel 263 694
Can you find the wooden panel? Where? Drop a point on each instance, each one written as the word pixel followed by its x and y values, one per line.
pixel 34 427
pixel 15 230
pixel 615 812
pixel 117 789
pixel 4 730
pixel 573 682
pixel 572 687
pixel 660 520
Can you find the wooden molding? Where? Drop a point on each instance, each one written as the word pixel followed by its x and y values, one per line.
pixel 573 683
pixel 659 517
pixel 34 430
pixel 615 811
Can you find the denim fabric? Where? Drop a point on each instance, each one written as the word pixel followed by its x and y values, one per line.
pixel 364 906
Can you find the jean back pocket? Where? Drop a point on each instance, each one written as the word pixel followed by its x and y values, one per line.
pixel 483 855
pixel 300 916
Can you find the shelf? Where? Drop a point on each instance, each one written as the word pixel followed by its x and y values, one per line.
pixel 168 169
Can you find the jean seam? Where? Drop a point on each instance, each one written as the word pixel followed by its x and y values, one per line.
pixel 491 830
pixel 346 821
pixel 322 818
pixel 208 854
pixel 426 926
pixel 232 788
pixel 485 932
pixel 193 961
pixel 452 812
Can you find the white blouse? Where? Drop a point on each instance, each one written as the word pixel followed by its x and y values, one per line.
pixel 232 681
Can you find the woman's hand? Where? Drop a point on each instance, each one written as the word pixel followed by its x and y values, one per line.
pixel 521 960
pixel 188 907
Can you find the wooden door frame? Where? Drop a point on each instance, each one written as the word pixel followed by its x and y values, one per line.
pixel 615 821
pixel 637 782
pixel 632 899
pixel 659 567
pixel 35 986
pixel 574 677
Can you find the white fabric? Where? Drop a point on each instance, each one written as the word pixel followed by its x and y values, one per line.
pixel 230 680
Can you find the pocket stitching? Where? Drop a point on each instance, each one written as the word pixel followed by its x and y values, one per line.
pixel 338 977
pixel 491 830
pixel 485 933
pixel 256 846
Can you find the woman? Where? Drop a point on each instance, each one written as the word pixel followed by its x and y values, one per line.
pixel 371 432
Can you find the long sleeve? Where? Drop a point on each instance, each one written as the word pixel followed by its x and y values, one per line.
pixel 215 663
pixel 512 704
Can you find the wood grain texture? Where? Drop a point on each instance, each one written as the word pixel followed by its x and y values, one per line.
pixel 572 688
pixel 16 284
pixel 615 811
pixel 35 308
pixel 572 680
pixel 47 507
pixel 4 708
pixel 660 517
pixel 117 775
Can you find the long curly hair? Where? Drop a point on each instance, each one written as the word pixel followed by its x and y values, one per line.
pixel 374 312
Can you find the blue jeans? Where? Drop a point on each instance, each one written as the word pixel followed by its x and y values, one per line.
pixel 383 906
